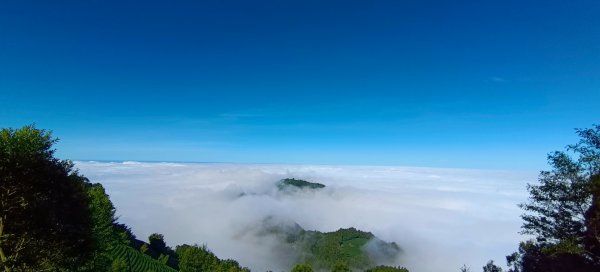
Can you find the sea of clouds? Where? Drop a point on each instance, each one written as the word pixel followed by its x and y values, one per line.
pixel 441 218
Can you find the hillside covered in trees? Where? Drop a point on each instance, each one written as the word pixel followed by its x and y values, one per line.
pixel 291 183
pixel 323 250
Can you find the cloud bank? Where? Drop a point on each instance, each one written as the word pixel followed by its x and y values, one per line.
pixel 441 218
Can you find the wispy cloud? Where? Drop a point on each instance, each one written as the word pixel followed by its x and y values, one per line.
pixel 240 115
pixel 497 79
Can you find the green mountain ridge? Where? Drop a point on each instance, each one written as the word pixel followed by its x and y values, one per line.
pixel 322 250
pixel 289 183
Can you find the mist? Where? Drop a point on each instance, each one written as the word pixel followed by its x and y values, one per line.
pixel 440 218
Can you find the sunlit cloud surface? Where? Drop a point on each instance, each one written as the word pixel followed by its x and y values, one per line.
pixel 441 218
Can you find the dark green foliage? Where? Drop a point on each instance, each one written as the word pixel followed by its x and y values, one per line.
pixel 158 249
pixel 324 250
pixel 340 267
pixel 195 258
pixel 298 183
pixel 144 248
pixel 383 268
pixel 105 233
pixel 124 230
pixel 556 207
pixel 198 258
pixel 44 215
pixel 491 267
pixel 157 242
pixel 343 245
pixel 562 212
pixel 51 218
pixel 542 257
pixel 163 259
pixel 119 265
pixel 464 268
pixel 135 261
pixel 302 268
pixel 230 265
pixel 592 221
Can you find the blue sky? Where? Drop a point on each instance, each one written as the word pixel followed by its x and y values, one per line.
pixel 474 84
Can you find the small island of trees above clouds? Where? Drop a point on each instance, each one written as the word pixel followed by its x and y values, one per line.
pixel 52 218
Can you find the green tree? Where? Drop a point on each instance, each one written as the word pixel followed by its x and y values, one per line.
pixel 144 248
pixel 561 213
pixel 557 205
pixel 159 250
pixel 383 268
pixel 199 258
pixel 163 258
pixel 302 268
pixel 340 267
pixel 195 258
pixel 45 220
pixel 592 223
pixel 105 234
pixel 230 265
pixel 118 265
pixel 542 257
pixel 157 242
pixel 491 267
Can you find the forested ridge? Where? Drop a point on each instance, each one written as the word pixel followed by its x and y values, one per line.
pixel 52 218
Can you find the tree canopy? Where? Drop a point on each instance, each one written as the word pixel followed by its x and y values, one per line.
pixel 51 217
pixel 194 258
pixel 302 268
pixel 383 268
pixel 562 212
pixel 44 214
pixel 491 267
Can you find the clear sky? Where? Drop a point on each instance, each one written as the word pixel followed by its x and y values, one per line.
pixel 474 84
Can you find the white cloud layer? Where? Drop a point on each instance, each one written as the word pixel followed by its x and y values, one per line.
pixel 441 218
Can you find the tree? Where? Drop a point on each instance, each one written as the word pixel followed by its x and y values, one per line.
pixel 302 268
pixel 106 233
pixel 383 268
pixel 198 258
pixel 195 258
pixel 491 267
pixel 45 220
pixel 163 259
pixel 119 265
pixel 340 267
pixel 464 268
pixel 230 265
pixel 543 257
pixel 157 242
pixel 562 211
pixel 159 250
pixel 592 222
pixel 557 206
pixel 144 248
